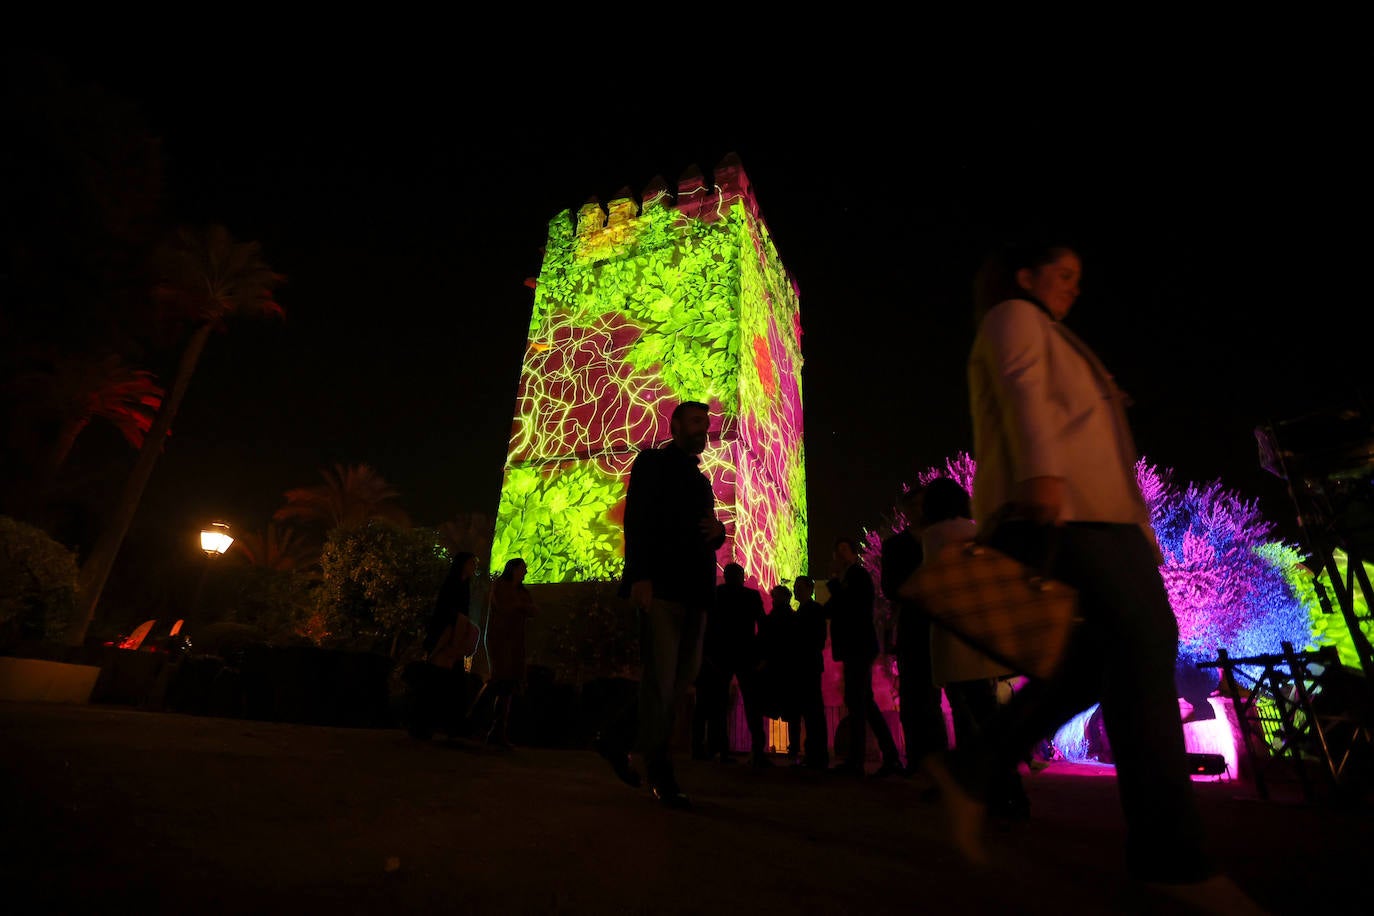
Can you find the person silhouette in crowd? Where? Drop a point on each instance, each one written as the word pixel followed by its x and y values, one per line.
pixel 854 644
pixel 969 678
pixel 1056 480
pixel 731 653
pixel 918 699
pixel 671 538
pixel 511 607
pixel 778 643
pixel 809 663
pixel 438 684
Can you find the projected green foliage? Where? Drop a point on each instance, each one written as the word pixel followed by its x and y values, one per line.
pixel 561 523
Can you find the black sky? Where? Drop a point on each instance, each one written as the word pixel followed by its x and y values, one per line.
pixel 406 210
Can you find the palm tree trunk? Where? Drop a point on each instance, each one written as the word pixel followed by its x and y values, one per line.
pixel 95 571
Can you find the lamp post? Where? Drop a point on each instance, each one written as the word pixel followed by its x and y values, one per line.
pixel 214 540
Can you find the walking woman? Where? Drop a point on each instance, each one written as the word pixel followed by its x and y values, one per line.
pixel 438 684
pixel 511 607
pixel 1056 477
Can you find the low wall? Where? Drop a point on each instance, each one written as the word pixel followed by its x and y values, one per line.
pixel 39 680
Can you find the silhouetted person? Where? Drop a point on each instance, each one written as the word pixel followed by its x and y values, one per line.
pixel 810 667
pixel 854 643
pixel 438 684
pixel 918 699
pixel 511 608
pixel 731 652
pixel 671 538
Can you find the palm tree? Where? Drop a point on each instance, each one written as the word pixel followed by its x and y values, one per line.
pixel 71 390
pixel 58 397
pixel 276 547
pixel 204 278
pixel 350 495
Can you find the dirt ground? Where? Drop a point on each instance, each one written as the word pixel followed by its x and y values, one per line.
pixel 114 810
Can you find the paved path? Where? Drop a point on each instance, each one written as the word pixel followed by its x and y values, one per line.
pixel 112 810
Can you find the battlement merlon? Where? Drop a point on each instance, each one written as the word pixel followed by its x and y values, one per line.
pixel 697 197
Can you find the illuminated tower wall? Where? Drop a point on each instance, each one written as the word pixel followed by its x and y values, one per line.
pixel 638 307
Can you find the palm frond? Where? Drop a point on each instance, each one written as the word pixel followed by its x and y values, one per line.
pixel 206 276
pixel 350 495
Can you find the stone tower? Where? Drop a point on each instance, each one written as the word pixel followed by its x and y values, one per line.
pixel 637 306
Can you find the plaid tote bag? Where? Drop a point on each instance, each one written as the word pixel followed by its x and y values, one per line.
pixel 1009 611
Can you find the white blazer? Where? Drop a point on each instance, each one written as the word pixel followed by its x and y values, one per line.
pixel 1043 405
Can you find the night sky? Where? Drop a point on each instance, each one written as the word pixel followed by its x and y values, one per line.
pixel 406 206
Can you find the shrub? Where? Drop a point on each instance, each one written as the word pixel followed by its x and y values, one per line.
pixel 37 585
pixel 379 583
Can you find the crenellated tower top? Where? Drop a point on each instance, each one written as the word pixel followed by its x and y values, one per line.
pixel 697 196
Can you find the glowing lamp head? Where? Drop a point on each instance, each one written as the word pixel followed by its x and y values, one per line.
pixel 215 539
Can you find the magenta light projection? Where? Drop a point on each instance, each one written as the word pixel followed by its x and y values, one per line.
pixel 637 307
pixel 1232 585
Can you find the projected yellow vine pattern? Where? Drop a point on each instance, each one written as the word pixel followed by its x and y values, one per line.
pixel 631 315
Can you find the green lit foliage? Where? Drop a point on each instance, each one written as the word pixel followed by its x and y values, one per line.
pixel 379 581
pixel 37 585
pixel 560 523
pixel 678 286
pixel 1330 629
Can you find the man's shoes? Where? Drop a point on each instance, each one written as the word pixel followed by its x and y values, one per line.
pixel 847 769
pixel 726 758
pixel 700 755
pixel 890 769
pixel 659 770
pixel 619 759
pixel 670 796
pixel 760 761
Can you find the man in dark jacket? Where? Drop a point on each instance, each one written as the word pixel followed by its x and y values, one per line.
pixel 854 643
pixel 671 538
pixel 922 716
pixel 730 653
pixel 810 664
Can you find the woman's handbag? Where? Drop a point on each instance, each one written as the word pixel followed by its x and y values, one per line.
pixel 457 642
pixel 1013 613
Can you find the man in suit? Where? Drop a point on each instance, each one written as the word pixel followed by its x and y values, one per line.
pixel 730 654
pixel 671 538
pixel 922 716
pixel 810 665
pixel 854 643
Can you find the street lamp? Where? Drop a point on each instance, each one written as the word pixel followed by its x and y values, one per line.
pixel 215 539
